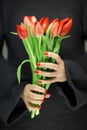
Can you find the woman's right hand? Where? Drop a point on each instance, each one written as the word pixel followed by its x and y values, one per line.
pixel 31 96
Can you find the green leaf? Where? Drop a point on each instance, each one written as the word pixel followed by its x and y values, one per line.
pixel 48 30
pixel 36 47
pixel 22 24
pixel 14 33
pixel 30 53
pixel 19 69
pixel 64 37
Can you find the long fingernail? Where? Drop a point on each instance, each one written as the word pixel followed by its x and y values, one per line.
pixel 43 101
pixel 40 81
pixel 46 91
pixel 38 107
pixel 46 53
pixel 47 95
pixel 38 64
pixel 36 71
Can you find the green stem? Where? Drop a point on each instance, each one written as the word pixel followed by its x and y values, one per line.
pixel 31 54
pixel 57 46
pixel 26 48
pixel 39 44
pixel 52 42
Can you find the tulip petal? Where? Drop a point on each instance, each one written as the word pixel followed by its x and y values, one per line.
pixel 66 28
pixel 33 19
pixel 44 21
pixel 27 21
pixel 22 32
pixel 54 29
pixel 62 23
pixel 38 29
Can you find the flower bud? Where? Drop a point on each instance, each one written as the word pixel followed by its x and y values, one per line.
pixel 22 32
pixel 38 31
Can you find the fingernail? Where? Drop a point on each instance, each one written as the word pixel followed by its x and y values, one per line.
pixel 38 64
pixel 45 53
pixel 36 71
pixel 47 95
pixel 46 91
pixel 38 107
pixel 40 81
pixel 43 101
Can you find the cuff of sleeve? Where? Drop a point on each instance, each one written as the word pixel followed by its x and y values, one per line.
pixel 72 89
pixel 68 94
pixel 10 112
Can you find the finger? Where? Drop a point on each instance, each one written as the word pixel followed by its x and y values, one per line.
pixel 39 102
pixel 46 74
pixel 54 56
pixel 35 96
pixel 49 81
pixel 30 107
pixel 47 65
pixel 36 88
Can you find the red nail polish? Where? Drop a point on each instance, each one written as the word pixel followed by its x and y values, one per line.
pixel 40 81
pixel 38 64
pixel 46 53
pixel 43 100
pixel 38 107
pixel 46 91
pixel 36 71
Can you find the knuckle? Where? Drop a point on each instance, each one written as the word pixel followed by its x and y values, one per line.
pixel 34 87
pixel 41 97
pixel 52 65
pixel 31 95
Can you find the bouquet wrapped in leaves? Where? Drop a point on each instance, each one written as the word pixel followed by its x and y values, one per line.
pixel 39 37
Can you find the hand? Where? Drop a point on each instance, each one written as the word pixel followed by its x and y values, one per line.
pixel 57 75
pixel 29 96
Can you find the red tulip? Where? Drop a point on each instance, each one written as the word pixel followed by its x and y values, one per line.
pixel 54 20
pixel 61 28
pixel 64 26
pixel 38 31
pixel 22 32
pixel 44 21
pixel 54 29
pixel 33 19
pixel 29 21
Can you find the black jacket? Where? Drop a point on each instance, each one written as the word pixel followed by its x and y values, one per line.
pixel 67 107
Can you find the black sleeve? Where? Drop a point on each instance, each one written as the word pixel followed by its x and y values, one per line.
pixel 75 89
pixel 10 90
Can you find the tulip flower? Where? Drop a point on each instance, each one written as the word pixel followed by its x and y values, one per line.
pixel 22 32
pixel 54 29
pixel 29 20
pixel 54 20
pixel 38 31
pixel 44 21
pixel 61 28
pixel 65 27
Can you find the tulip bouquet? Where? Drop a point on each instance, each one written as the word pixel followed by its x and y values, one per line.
pixel 39 37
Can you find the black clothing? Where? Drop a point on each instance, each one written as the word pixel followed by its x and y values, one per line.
pixel 67 107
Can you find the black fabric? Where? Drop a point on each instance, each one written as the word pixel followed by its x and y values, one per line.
pixel 67 107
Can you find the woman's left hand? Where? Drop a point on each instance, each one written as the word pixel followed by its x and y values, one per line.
pixel 57 75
